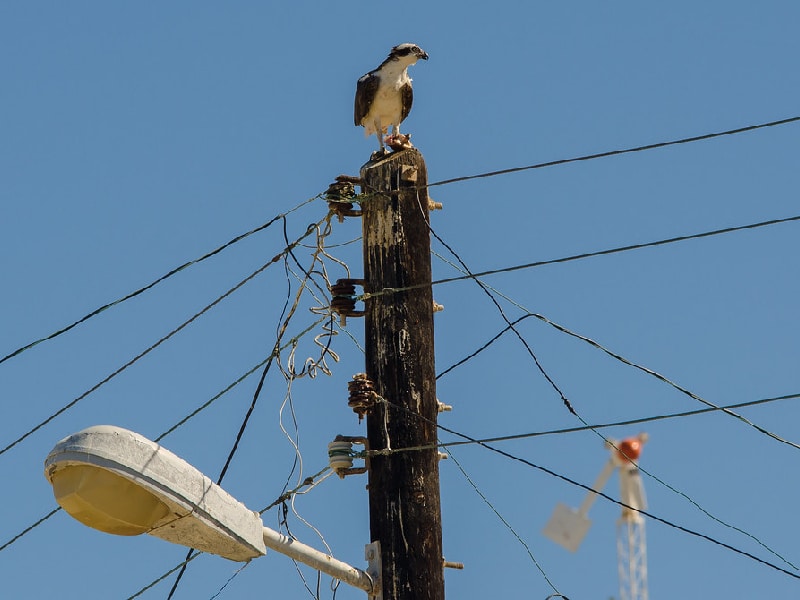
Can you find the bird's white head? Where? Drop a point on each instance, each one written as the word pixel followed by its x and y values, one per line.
pixel 408 54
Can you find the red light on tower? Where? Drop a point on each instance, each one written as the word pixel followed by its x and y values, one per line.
pixel 629 449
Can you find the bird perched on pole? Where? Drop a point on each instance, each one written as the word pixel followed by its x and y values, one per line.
pixel 384 96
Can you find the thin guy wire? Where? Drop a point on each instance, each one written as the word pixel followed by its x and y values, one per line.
pixel 231 578
pixel 532 434
pixel 612 354
pixel 149 349
pixel 153 347
pixel 188 559
pixel 644 512
pixel 182 421
pixel 241 378
pixel 275 355
pixel 582 256
pixel 612 444
pixel 506 523
pixel 608 442
pixel 689 413
pixel 565 161
pixel 580 485
pixel 261 512
pixel 152 284
pixel 29 528
pixel 671 383
pixel 528 348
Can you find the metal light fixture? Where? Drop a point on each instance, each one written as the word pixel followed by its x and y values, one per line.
pixel 120 482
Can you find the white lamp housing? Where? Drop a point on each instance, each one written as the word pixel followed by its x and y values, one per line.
pixel 120 482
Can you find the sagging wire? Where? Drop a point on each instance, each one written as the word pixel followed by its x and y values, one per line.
pixel 152 284
pixel 190 557
pixel 506 524
pixel 29 528
pixel 231 578
pixel 274 356
pixel 311 368
pixel 307 485
pixel 564 161
pixel 183 421
pixel 614 355
pixel 584 255
pixel 608 442
pixel 574 483
pixel 524 342
pixel 309 482
pixel 169 335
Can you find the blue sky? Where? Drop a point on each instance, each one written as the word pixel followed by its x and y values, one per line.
pixel 137 137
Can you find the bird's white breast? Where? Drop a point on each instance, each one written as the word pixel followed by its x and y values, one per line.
pixel 388 103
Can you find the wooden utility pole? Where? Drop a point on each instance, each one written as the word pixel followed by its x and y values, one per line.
pixel 404 505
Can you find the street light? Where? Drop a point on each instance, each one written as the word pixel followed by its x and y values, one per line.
pixel 120 482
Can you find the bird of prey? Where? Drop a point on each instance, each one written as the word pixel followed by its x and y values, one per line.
pixel 384 95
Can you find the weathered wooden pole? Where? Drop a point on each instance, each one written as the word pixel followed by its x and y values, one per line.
pixel 404 505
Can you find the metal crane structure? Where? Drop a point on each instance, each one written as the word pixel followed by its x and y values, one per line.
pixel 568 527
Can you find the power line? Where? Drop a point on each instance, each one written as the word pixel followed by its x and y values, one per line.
pixel 527 346
pixel 617 250
pixel 29 528
pixel 561 328
pixel 192 555
pixel 276 349
pixel 183 421
pixel 643 512
pixel 608 153
pixel 308 482
pixel 608 442
pixel 507 525
pixel 152 284
pixel 75 401
pixel 688 413
pixel 658 376
pixel 566 479
pixel 666 380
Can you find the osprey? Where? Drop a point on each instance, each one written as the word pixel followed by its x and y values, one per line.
pixel 384 96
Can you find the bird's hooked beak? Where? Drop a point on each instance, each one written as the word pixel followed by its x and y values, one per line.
pixel 423 55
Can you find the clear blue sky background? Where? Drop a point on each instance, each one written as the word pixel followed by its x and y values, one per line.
pixel 137 136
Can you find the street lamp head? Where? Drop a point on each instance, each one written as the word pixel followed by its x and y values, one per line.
pixel 120 482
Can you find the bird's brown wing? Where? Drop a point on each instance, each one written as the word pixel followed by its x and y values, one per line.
pixel 408 99
pixel 366 89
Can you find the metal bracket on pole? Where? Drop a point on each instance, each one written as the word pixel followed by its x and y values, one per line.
pixel 372 553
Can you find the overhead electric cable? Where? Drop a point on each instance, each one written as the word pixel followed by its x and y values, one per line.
pixel 183 421
pixel 590 489
pixel 564 161
pixel 688 413
pixel 275 354
pixel 666 380
pixel 192 555
pixel 152 284
pixel 610 443
pixel 506 524
pixel 524 342
pixel 643 512
pixel 69 405
pixel 616 250
pixel 29 528
pixel 309 482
